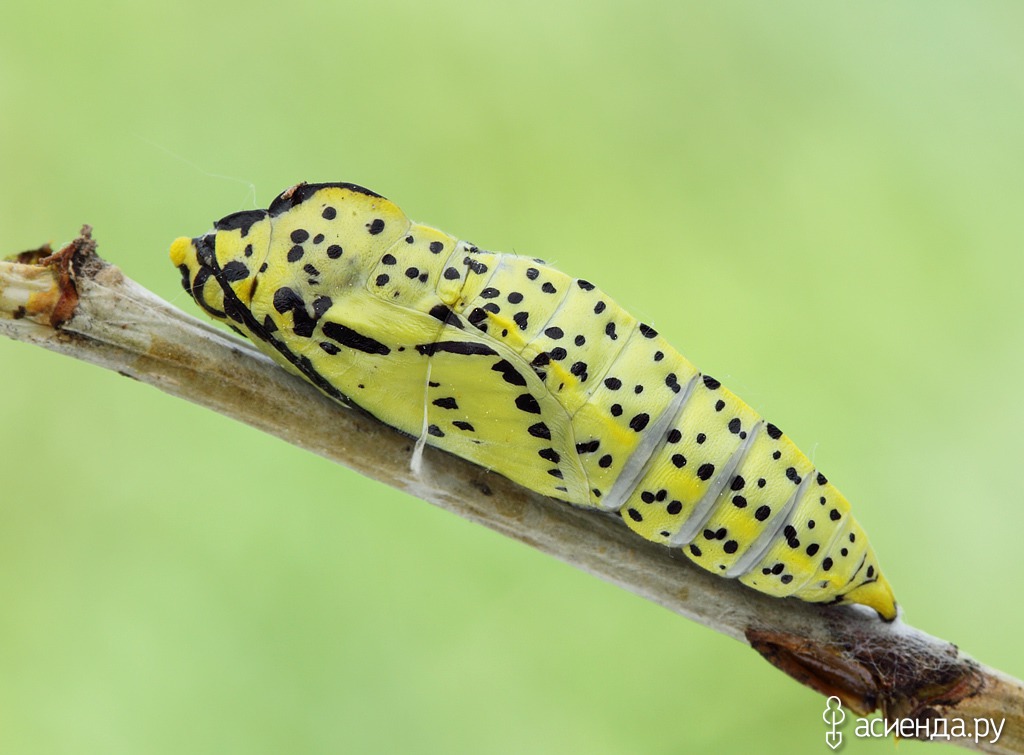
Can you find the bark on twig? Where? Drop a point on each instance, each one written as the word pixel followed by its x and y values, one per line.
pixel 74 303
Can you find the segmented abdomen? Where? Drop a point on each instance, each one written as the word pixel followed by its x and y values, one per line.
pixel 681 458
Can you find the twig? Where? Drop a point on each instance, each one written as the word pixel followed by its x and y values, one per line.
pixel 74 303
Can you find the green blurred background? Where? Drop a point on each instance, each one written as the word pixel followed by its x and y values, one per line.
pixel 819 203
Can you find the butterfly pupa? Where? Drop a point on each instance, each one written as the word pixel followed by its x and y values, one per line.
pixel 533 374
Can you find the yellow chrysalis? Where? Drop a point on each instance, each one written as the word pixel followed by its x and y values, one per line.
pixel 533 374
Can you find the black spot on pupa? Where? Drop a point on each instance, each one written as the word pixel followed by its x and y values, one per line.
pixel 235 271
pixel 241 221
pixel 549 454
pixel 466 348
pixel 353 339
pixel 287 299
pixel 509 373
pixel 526 402
pixel 639 422
pixel 445 315
pixel 539 430
pixel 320 306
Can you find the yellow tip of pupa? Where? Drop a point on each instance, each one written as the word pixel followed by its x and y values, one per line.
pixel 179 250
pixel 877 595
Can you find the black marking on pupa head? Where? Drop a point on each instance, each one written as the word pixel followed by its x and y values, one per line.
pixel 205 246
pixel 299 193
pixel 242 221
